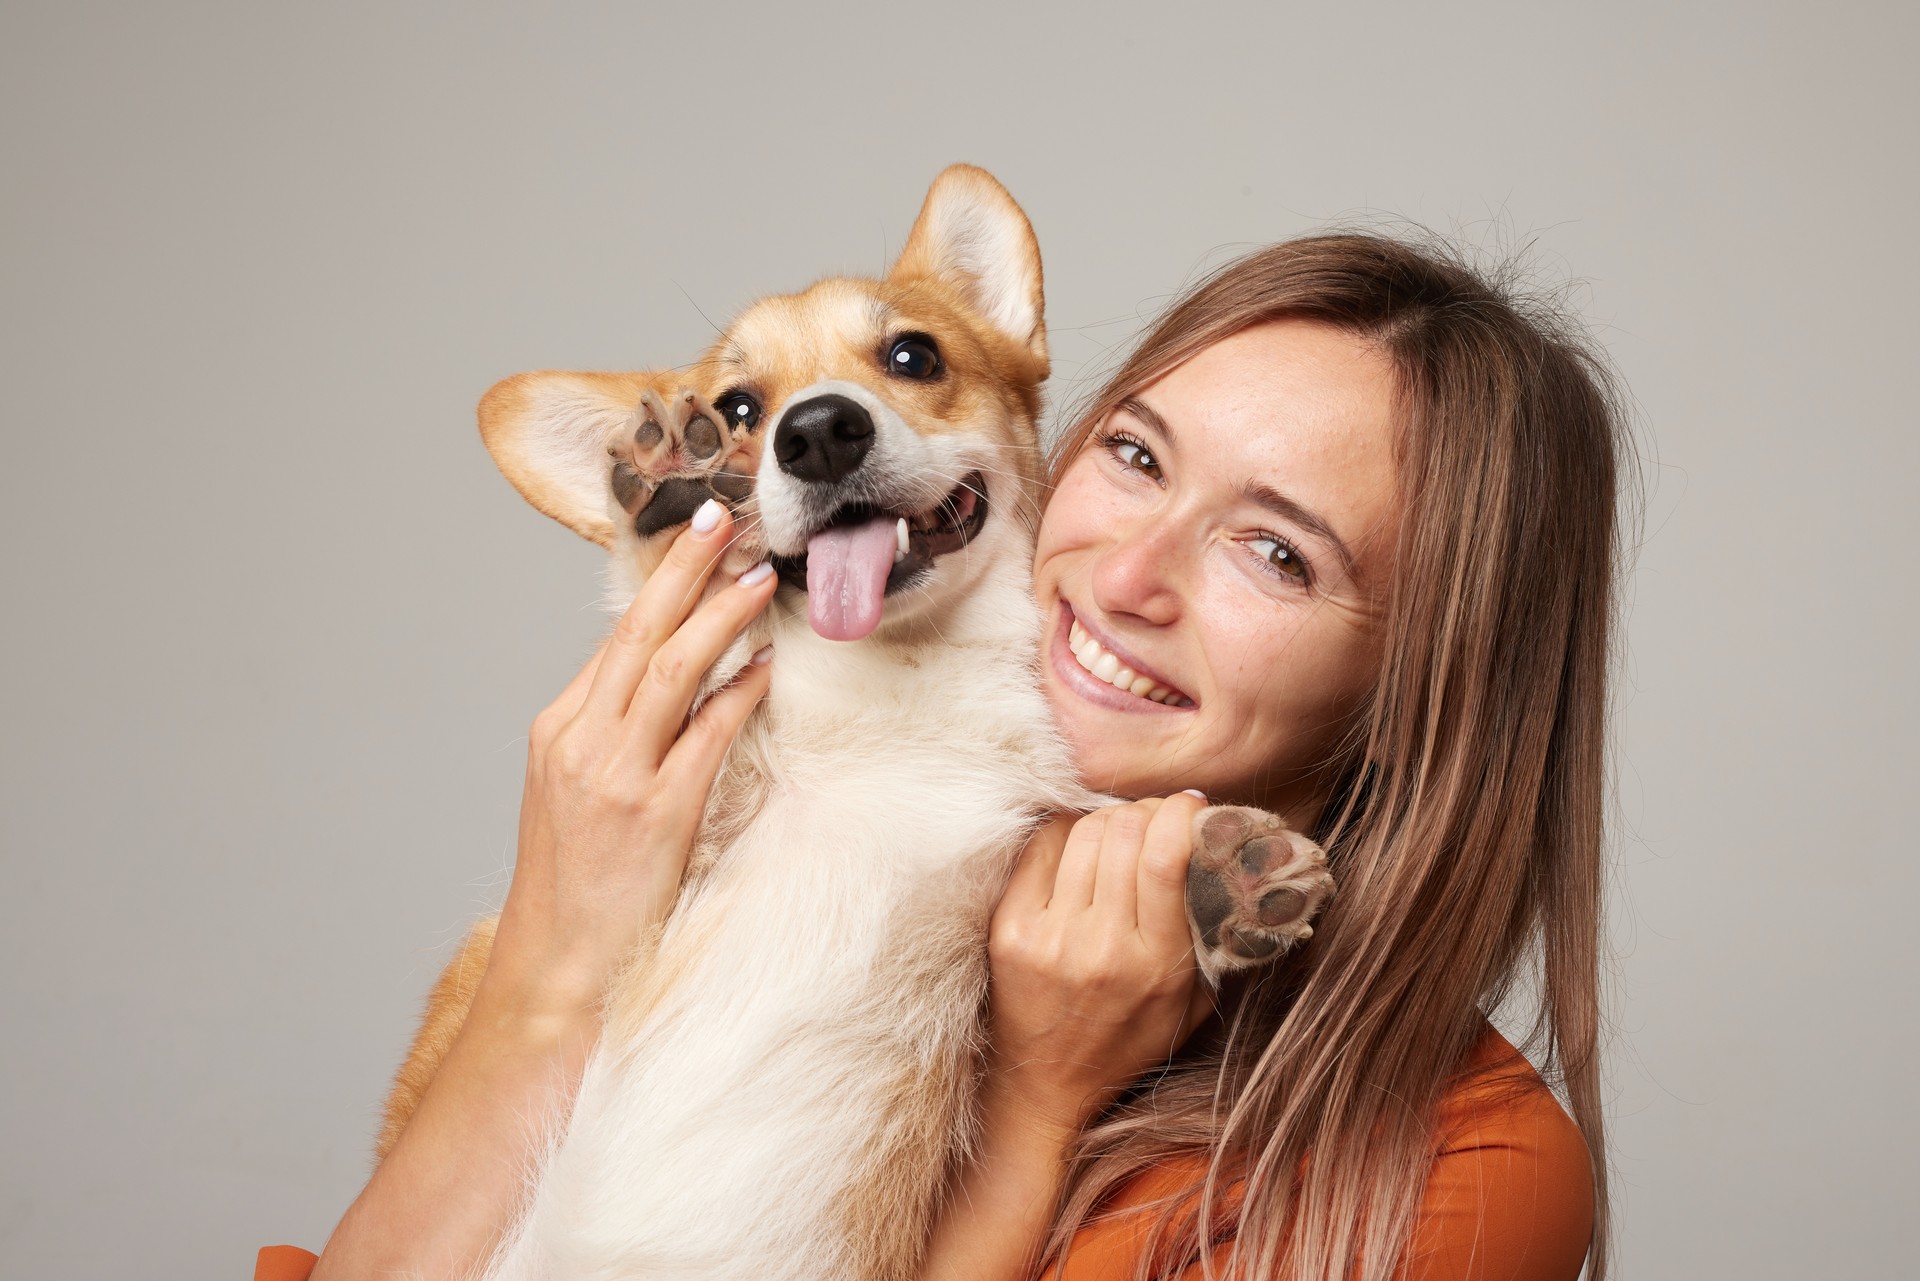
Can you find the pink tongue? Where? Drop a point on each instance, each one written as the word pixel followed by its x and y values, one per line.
pixel 847 572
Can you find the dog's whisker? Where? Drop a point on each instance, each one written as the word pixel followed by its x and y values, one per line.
pixel 959 482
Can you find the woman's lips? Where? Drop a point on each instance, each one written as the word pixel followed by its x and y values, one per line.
pixel 1095 690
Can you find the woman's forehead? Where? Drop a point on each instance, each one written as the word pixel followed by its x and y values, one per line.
pixel 1299 405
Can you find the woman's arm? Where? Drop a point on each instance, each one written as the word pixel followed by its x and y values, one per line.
pixel 1093 984
pixel 617 777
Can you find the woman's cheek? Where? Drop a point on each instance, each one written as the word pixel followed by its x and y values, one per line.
pixel 1270 682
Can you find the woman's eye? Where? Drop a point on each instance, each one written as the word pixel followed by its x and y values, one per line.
pixel 914 356
pixel 1280 556
pixel 1131 453
pixel 740 410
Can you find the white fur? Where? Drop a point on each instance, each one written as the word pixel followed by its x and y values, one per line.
pixel 819 1037
pixel 785 1076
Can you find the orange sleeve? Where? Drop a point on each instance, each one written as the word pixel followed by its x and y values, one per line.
pixel 1510 1197
pixel 284 1263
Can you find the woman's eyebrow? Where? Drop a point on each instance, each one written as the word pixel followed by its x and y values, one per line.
pixel 1257 492
pixel 1261 494
pixel 1144 412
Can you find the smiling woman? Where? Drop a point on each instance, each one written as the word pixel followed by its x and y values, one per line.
pixel 1338 539
pixel 1195 542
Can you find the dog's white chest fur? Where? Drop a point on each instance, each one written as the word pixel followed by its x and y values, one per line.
pixel 781 1089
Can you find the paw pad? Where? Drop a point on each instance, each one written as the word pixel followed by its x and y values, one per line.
pixel 1252 887
pixel 674 457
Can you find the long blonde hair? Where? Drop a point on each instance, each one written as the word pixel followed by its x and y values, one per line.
pixel 1465 825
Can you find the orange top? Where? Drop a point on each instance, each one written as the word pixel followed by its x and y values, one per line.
pixel 1510 1197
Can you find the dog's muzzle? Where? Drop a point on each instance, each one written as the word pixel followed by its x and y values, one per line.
pixel 823 439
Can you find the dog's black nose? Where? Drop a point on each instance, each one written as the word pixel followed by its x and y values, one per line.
pixel 823 439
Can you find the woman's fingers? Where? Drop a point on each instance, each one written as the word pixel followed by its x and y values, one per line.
pixel 657 611
pixel 1080 861
pixel 567 704
pixel 1115 881
pixel 1161 875
pixel 659 707
pixel 1031 884
pixel 694 761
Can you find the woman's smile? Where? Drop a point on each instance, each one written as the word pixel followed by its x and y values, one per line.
pixel 1098 670
pixel 1205 567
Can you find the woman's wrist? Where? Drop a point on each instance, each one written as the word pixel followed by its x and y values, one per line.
pixel 1036 1100
pixel 538 1000
pixel 996 1218
pixel 540 972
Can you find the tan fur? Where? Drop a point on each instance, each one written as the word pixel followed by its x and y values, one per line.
pixel 446 1012
pixel 514 400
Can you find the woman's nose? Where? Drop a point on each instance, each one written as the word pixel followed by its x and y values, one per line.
pixel 1137 573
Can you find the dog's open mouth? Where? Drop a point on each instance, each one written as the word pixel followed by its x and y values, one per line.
pixel 863 553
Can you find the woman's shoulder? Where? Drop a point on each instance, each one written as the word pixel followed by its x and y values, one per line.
pixel 1499 1100
pixel 1511 1190
pixel 1509 1194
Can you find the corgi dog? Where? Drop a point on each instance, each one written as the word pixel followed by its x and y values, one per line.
pixel 783 1083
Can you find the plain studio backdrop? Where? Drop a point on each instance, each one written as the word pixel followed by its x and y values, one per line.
pixel 275 627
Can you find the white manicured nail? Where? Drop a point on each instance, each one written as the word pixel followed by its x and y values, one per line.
pixel 1194 791
pixel 707 519
pixel 763 656
pixel 758 574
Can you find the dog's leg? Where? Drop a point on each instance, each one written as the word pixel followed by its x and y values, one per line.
pixel 1253 886
pixel 446 1012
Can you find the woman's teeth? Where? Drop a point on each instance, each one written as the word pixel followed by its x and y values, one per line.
pixel 1109 669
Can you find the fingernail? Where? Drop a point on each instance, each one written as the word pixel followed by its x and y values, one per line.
pixel 1194 791
pixel 707 519
pixel 758 574
pixel 763 656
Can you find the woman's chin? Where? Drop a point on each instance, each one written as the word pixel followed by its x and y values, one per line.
pixel 1103 764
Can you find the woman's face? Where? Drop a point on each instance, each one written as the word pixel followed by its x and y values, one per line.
pixel 1220 544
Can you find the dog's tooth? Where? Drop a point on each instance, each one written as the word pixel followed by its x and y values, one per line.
pixel 1141 685
pixel 900 541
pixel 1122 679
pixel 1105 666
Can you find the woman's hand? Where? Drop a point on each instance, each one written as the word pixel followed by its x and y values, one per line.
pixel 618 776
pixel 1093 975
pixel 1093 984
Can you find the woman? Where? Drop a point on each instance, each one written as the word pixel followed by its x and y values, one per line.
pixel 1358 508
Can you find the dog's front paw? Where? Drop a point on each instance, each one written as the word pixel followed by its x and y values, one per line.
pixel 676 433
pixel 1253 887
pixel 675 453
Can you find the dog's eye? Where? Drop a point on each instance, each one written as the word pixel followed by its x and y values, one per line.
pixel 740 410
pixel 914 356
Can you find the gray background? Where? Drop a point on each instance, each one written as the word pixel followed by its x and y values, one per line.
pixel 275 627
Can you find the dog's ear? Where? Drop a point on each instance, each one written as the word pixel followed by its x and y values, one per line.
pixel 548 433
pixel 972 235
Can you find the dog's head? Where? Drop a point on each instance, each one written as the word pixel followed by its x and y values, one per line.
pixel 891 422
